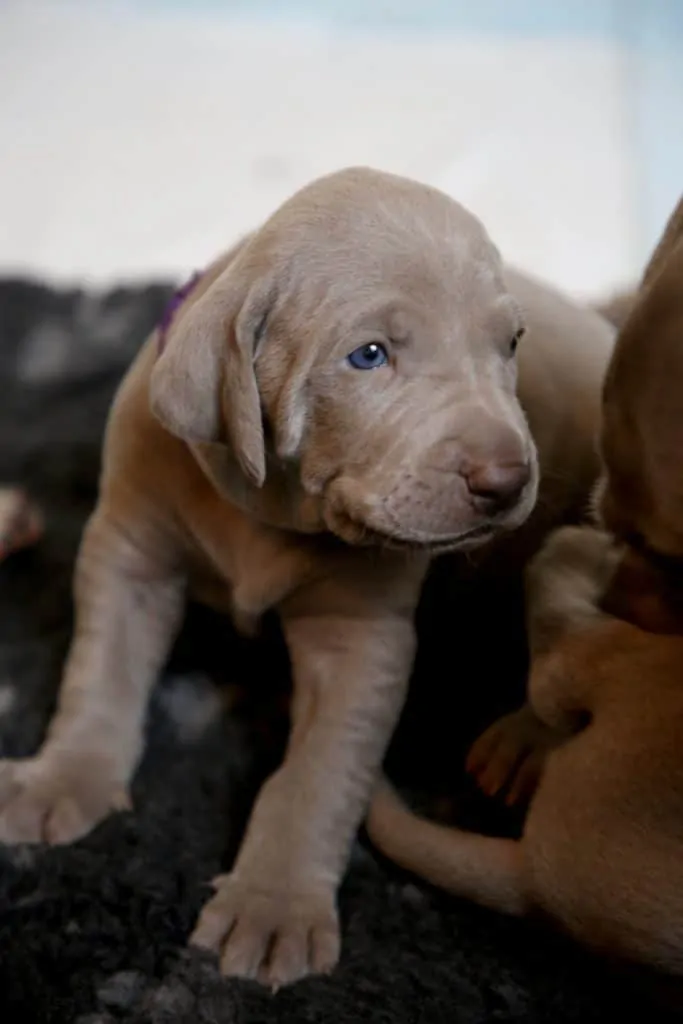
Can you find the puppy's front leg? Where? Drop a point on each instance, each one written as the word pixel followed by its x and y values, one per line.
pixel 126 615
pixel 274 916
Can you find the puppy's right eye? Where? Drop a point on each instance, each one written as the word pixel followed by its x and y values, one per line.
pixel 515 340
pixel 368 357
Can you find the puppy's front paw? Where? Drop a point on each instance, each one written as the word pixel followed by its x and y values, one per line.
pixel 510 754
pixel 55 800
pixel 272 934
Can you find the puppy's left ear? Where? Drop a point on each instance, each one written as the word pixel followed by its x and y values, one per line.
pixel 203 387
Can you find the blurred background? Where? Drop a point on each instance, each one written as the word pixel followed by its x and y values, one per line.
pixel 140 138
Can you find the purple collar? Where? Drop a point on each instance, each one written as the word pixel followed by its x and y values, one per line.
pixel 172 308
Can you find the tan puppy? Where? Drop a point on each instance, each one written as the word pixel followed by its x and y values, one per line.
pixel 335 402
pixel 602 849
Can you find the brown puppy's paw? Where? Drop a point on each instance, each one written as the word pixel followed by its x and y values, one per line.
pixel 50 800
pixel 271 935
pixel 511 753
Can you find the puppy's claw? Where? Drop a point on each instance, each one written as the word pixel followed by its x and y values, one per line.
pixel 527 778
pixel 212 929
pixel 325 949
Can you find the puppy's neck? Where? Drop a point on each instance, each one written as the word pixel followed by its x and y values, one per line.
pixel 647 590
pixel 281 503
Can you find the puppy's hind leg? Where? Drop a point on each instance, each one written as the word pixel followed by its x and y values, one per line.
pixel 483 869
pixel 127 612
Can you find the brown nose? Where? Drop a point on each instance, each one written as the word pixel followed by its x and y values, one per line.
pixel 497 485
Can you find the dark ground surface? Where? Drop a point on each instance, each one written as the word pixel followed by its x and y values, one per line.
pixel 96 932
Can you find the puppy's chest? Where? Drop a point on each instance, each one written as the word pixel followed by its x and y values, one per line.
pixel 244 570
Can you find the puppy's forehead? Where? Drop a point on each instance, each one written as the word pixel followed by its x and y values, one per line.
pixel 378 228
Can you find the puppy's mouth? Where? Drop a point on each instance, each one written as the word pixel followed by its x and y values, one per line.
pixel 363 522
pixel 360 534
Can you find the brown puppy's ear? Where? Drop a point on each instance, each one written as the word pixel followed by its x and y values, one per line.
pixel 203 387
pixel 671 236
pixel 617 309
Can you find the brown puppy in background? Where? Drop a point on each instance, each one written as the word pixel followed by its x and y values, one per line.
pixel 334 402
pixel 602 848
pixel 641 447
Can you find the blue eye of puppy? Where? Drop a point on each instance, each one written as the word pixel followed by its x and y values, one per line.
pixel 368 357
pixel 515 340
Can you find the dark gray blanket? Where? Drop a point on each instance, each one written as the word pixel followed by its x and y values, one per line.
pixel 97 932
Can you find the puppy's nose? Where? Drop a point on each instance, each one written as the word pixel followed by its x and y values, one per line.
pixel 497 485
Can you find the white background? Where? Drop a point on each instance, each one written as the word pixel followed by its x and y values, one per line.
pixel 139 139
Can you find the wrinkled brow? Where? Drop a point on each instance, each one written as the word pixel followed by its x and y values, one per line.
pixel 507 314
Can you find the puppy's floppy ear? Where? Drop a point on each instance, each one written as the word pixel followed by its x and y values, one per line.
pixel 203 387
pixel 671 237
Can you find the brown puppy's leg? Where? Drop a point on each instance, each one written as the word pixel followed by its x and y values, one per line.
pixel 511 753
pixel 492 872
pixel 274 915
pixel 126 617
pixel 559 698
pixel 565 583
pixel 486 870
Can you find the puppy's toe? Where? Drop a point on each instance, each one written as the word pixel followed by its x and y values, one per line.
pixel 288 959
pixel 265 934
pixel 245 950
pixel 300 948
pixel 494 757
pixel 325 946
pixel 499 769
pixel 22 815
pixel 526 778
pixel 66 821
pixel 481 751
pixel 215 921
pixel 510 753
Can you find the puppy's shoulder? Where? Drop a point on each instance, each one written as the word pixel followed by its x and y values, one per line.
pixel 137 451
